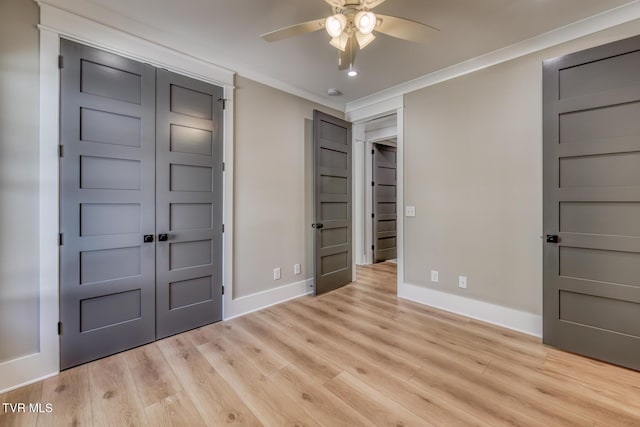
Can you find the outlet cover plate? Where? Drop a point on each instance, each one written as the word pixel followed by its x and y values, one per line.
pixel 462 282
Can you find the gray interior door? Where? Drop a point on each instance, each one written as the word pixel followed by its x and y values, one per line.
pixel 189 208
pixel 332 180
pixel 107 185
pixel 592 203
pixel 384 202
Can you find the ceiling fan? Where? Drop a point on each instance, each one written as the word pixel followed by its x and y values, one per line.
pixel 352 26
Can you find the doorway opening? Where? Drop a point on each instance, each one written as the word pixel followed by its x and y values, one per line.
pixel 378 190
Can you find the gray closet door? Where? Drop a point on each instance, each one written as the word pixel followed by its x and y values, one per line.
pixel 332 178
pixel 189 204
pixel 384 202
pixel 107 182
pixel 592 202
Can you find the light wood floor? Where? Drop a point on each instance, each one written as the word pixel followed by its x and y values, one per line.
pixel 355 357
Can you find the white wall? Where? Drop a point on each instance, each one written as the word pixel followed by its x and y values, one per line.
pixel 473 169
pixel 19 286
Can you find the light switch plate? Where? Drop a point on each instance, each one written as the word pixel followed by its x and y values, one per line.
pixel 410 211
pixel 276 273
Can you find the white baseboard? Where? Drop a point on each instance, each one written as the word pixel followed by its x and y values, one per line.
pixel 28 382
pixel 254 302
pixel 521 321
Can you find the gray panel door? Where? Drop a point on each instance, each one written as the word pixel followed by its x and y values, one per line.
pixel 592 203
pixel 384 202
pixel 107 186
pixel 189 204
pixel 332 180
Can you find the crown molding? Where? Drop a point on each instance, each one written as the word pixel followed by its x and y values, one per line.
pixel 602 21
pixel 76 23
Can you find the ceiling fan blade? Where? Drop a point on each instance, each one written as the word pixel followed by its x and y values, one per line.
pixel 370 4
pixel 294 30
pixel 347 57
pixel 405 29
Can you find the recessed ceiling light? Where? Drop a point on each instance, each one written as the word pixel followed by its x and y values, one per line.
pixel 352 73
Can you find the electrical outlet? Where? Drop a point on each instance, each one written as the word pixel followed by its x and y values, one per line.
pixel 276 273
pixel 462 282
pixel 410 211
pixel 434 276
pixel 297 269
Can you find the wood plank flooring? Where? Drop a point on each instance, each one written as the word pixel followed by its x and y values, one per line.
pixel 355 357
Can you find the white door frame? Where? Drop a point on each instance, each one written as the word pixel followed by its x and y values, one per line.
pixel 55 24
pixel 362 167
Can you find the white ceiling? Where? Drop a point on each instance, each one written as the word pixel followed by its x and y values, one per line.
pixel 227 32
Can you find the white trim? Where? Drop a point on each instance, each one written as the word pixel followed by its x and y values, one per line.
pixel 228 200
pixel 359 207
pixel 400 192
pixel 584 27
pixel 45 362
pixel 258 301
pixel 31 381
pixel 288 88
pixel 362 189
pixel 380 135
pixel 375 109
pixel 95 34
pixel 517 320
pixel 76 27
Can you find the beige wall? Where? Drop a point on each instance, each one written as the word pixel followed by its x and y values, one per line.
pixel 473 169
pixel 272 183
pixel 19 289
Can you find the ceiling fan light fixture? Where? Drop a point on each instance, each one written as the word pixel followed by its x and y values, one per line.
pixel 364 39
pixel 340 42
pixel 365 21
pixel 335 24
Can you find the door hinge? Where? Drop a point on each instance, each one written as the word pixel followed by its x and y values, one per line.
pixel 223 290
pixel 373 248
pixel 224 102
pixel 373 184
pixel 60 241
pixel 59 328
pixel 60 151
pixel 373 215
pixel 223 166
pixel 373 151
pixel 223 228
pixel 60 62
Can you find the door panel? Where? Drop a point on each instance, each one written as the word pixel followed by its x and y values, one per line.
pixel 384 203
pixel 107 273
pixel 591 201
pixel 189 209
pixel 332 177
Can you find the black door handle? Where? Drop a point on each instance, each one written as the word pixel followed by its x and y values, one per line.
pixel 148 238
pixel 163 237
pixel 317 226
pixel 552 238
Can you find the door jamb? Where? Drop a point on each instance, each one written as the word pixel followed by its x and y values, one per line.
pixel 360 161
